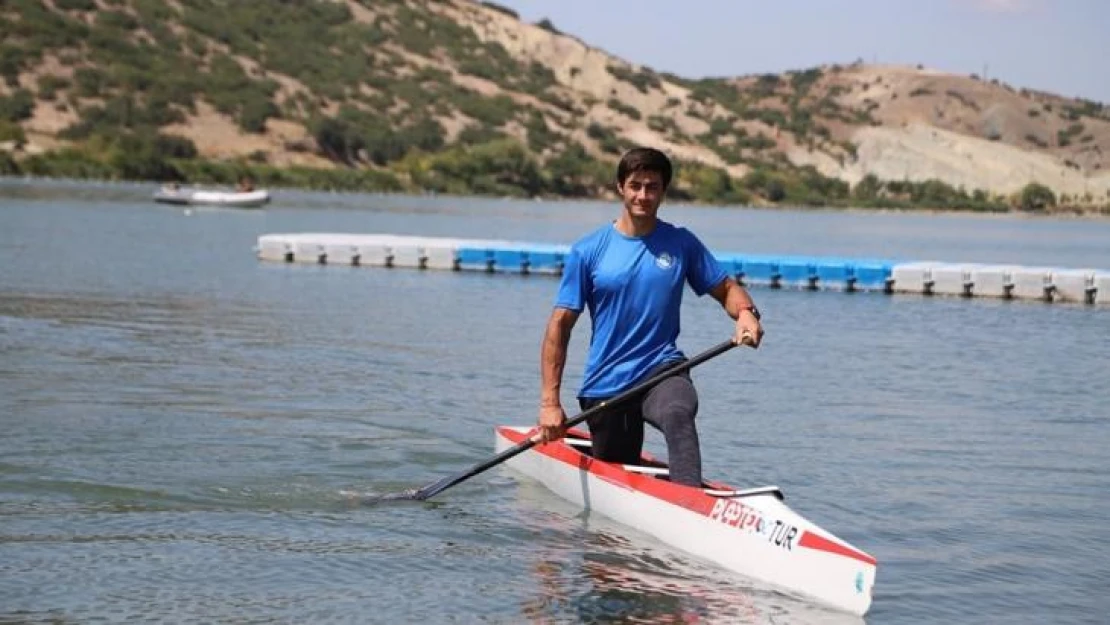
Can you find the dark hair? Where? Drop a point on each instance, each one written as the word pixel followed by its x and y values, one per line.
pixel 644 159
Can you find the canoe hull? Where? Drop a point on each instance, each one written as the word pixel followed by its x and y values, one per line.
pixel 758 536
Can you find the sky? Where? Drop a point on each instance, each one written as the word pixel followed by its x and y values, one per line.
pixel 1062 46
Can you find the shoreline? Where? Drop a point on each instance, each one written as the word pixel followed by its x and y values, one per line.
pixel 1068 214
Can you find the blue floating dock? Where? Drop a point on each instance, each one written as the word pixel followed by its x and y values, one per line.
pixel 1050 284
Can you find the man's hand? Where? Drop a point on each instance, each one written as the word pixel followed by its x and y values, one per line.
pixel 736 301
pixel 552 422
pixel 748 329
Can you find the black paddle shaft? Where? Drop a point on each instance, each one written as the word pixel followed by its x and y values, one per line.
pixel 433 489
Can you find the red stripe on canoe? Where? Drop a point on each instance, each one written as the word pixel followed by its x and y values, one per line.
pixel 693 499
pixel 685 496
pixel 820 543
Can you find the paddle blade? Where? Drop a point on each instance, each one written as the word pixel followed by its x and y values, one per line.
pixel 437 487
pixel 414 494
pixel 404 495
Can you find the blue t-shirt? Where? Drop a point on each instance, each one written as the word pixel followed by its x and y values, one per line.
pixel 633 289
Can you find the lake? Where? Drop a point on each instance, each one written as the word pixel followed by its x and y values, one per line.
pixel 185 428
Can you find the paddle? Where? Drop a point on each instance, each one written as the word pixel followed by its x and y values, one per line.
pixel 433 489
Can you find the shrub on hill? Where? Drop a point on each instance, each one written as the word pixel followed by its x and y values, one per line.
pixel 18 106
pixel 643 80
pixel 547 25
pixel 500 8
pixel 624 109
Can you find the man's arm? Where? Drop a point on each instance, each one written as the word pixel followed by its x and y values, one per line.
pixel 739 305
pixel 553 357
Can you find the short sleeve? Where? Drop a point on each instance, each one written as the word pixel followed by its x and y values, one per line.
pixel 575 283
pixel 703 272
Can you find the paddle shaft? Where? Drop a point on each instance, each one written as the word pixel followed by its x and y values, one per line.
pixel 433 489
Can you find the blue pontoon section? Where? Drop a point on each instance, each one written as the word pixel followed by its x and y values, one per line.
pixel 548 259
pixel 1090 286
pixel 475 258
pixel 507 257
pixel 809 272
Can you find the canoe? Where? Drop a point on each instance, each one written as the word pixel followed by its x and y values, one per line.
pixel 752 531
pixel 230 199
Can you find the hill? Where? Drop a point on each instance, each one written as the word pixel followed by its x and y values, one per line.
pixel 454 96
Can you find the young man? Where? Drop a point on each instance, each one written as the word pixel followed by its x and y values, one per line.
pixel 630 274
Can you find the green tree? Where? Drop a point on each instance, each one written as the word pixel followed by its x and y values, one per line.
pixel 776 191
pixel 867 189
pixel 572 172
pixel 8 166
pixel 711 184
pixel 1036 196
pixel 11 131
pixel 337 139
pixel 146 156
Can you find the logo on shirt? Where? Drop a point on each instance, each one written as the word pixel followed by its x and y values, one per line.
pixel 664 261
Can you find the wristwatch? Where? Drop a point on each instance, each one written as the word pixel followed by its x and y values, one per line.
pixel 755 312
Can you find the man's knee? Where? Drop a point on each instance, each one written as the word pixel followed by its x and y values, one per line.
pixel 677 417
pixel 675 404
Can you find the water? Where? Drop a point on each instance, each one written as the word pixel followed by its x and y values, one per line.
pixel 185 428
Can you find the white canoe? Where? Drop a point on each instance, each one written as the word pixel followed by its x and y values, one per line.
pixel 230 199
pixel 751 532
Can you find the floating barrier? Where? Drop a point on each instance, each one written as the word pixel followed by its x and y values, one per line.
pixel 1050 284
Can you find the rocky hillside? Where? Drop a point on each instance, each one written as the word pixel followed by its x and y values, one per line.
pixel 458 96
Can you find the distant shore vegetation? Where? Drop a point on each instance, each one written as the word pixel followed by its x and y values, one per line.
pixel 505 168
pixel 124 74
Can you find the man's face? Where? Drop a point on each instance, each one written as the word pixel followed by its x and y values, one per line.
pixel 642 193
